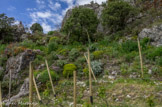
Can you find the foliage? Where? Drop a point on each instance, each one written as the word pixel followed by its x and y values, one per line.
pixel 68 70
pixel 36 27
pixel 86 71
pixel 129 46
pixel 50 32
pixel 73 54
pixel 81 21
pixel 116 14
pixel 44 77
pixel 61 63
pixel 6 29
pixel 1 75
pixel 52 46
pixel 102 94
pixel 154 53
pixel 98 54
pixel 97 67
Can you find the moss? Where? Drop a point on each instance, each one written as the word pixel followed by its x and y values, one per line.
pixel 68 70
pixel 98 54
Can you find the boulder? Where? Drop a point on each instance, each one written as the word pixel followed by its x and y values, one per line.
pixel 154 33
pixel 18 63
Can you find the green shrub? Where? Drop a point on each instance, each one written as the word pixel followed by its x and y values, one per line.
pixel 97 67
pixel 36 27
pixel 129 46
pixel 44 77
pixel 73 54
pixel 86 71
pixel 159 61
pixel 61 63
pixel 98 54
pixel 50 32
pixel 154 53
pixel 52 46
pixel 80 20
pixel 68 70
pixel 130 56
pixel 1 75
pixel 116 14
pixel 54 39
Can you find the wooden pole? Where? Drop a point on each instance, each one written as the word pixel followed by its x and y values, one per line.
pixel 90 78
pixel 74 78
pixel 10 80
pixel 0 95
pixel 141 62
pixel 91 69
pixel 30 85
pixel 39 97
pixel 50 78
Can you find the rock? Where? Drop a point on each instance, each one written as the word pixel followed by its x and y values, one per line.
pixel 24 37
pixel 24 90
pixel 55 68
pixel 19 30
pixel 154 33
pixel 1 68
pixel 40 67
pixel 150 71
pixel 18 63
pixel 128 96
pixel 111 77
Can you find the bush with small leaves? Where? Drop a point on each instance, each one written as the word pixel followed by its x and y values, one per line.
pixel 98 54
pixel 52 46
pixel 36 27
pixel 129 46
pixel 73 54
pixel 97 67
pixel 44 77
pixel 86 71
pixel 68 70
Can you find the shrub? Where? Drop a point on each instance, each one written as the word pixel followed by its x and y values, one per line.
pixel 86 71
pixel 116 14
pixel 130 56
pixel 81 19
pixel 54 39
pixel 98 54
pixel 154 53
pixel 61 63
pixel 36 27
pixel 97 67
pixel 50 32
pixel 44 77
pixel 159 61
pixel 68 70
pixel 52 46
pixel 73 54
pixel 129 46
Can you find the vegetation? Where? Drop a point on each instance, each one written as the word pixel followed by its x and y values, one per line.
pixel 36 27
pixel 68 70
pixel 81 21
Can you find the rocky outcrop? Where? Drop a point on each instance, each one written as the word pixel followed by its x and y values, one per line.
pixel 18 63
pixel 154 33
pixel 96 7
pixel 24 90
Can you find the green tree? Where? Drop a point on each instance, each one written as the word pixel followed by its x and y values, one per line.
pixel 116 14
pixel 36 27
pixel 6 29
pixel 81 21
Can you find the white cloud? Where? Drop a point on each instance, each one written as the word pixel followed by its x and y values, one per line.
pixel 44 14
pixel 40 1
pixel 55 6
pixel 11 8
pixel 46 27
pixel 82 2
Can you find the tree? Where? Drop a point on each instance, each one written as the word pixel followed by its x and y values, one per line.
pixel 6 29
pixel 81 21
pixel 116 14
pixel 36 27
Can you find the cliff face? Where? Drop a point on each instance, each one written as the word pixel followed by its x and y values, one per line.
pixel 94 6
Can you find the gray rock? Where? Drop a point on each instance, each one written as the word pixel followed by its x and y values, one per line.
pixel 154 33
pixel 55 68
pixel 150 71
pixel 24 37
pixel 18 63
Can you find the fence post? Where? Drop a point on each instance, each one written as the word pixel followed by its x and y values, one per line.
pixel 74 78
pixel 30 85
pixel 0 95
pixel 90 78
pixel 50 78
pixel 39 97
pixel 141 62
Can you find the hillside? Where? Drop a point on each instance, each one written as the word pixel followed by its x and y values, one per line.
pixel 110 32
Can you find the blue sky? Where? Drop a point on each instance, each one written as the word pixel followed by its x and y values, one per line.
pixel 49 13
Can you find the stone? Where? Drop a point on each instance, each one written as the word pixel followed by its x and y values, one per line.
pixel 18 63
pixel 24 37
pixel 154 33
pixel 150 71
pixel 55 68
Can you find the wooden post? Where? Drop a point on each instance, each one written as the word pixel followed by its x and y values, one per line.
pixel 39 97
pixel 91 69
pixel 30 85
pixel 0 95
pixel 90 78
pixel 141 62
pixel 74 78
pixel 50 78
pixel 10 80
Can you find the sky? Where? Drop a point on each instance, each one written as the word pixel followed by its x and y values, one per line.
pixel 48 13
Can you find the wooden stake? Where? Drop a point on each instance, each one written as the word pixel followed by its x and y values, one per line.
pixel 50 78
pixel 90 78
pixel 141 62
pixel 10 87
pixel 74 78
pixel 91 69
pixel 30 85
pixel 0 95
pixel 39 97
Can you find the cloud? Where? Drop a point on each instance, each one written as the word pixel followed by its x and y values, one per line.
pixel 55 6
pixel 11 8
pixel 46 27
pixel 82 2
